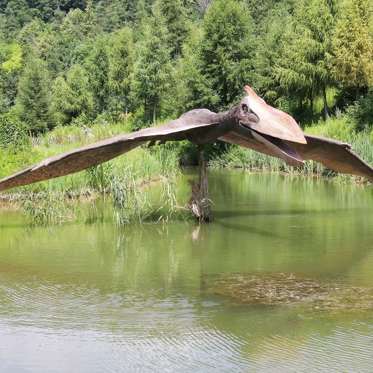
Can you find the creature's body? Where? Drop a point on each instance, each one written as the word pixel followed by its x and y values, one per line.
pixel 252 124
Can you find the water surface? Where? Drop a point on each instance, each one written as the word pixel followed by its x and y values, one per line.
pixel 97 298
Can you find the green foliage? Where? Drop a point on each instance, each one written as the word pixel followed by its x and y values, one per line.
pixel 174 14
pixel 10 66
pixel 336 128
pixel 13 133
pixel 46 209
pixel 353 44
pixel 227 49
pixel 152 71
pixel 14 58
pixel 304 68
pixel 87 64
pixel 33 98
pixel 71 97
pixel 361 112
pixel 194 89
pixel 121 70
pixel 275 29
pixel 97 65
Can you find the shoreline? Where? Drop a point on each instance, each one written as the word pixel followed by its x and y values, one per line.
pixel 12 201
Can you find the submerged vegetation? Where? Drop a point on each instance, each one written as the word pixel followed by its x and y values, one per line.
pixel 288 289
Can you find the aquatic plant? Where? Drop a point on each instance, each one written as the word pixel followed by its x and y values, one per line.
pixel 47 209
pixel 289 289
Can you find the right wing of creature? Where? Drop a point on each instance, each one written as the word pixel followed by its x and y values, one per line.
pixel 335 155
pixel 277 134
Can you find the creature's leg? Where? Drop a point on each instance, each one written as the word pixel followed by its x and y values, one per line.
pixel 200 203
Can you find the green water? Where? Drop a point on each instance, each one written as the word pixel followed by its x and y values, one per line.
pixel 97 298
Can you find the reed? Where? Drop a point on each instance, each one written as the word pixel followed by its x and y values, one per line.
pixel 47 209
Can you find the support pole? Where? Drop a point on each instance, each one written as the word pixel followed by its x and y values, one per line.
pixel 200 203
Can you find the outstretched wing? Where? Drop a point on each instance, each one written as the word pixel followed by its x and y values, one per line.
pixel 333 154
pixel 92 155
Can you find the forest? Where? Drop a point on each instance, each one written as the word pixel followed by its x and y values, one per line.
pixel 69 66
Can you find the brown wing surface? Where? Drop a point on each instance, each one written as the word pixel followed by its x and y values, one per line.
pixel 334 155
pixel 92 155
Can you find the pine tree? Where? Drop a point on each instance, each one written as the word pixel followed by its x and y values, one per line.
pixel 121 70
pixel 193 89
pixel 152 68
pixel 268 53
pixel 97 66
pixel 11 63
pixel 227 49
pixel 71 97
pixel 174 15
pixel 353 45
pixel 33 98
pixel 304 68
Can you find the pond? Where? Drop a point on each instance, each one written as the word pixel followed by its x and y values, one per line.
pixel 281 281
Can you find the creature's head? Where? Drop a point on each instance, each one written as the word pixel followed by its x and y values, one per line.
pixel 270 126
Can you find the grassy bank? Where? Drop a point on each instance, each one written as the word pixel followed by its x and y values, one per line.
pixel 124 181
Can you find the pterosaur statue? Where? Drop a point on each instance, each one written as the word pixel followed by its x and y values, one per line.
pixel 252 124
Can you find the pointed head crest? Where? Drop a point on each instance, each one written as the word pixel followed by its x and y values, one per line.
pixel 272 122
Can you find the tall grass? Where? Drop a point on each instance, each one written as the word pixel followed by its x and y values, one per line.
pixel 122 182
pixel 47 209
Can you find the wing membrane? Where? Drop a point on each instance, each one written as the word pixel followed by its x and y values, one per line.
pixel 335 155
pixel 92 155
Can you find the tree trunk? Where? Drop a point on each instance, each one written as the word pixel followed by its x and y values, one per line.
pixel 311 103
pixel 326 109
pixel 200 203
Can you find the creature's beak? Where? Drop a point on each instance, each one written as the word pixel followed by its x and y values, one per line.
pixel 273 122
pixel 272 127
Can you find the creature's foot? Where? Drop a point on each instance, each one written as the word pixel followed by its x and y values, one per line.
pixel 200 204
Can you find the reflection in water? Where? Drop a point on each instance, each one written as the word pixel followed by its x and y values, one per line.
pixel 95 298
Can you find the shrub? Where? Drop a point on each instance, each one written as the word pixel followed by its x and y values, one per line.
pixel 13 133
pixel 361 112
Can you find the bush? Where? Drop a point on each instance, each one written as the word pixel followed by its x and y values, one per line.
pixel 338 128
pixel 13 133
pixel 361 112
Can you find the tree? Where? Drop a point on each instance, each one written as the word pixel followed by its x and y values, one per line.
pixel 72 41
pixel 353 46
pixel 33 98
pixel 71 97
pixel 97 66
pixel 152 68
pixel 274 30
pixel 115 14
pixel 227 49
pixel 16 15
pixel 262 10
pixel 193 88
pixel 121 70
pixel 174 14
pixel 11 63
pixel 304 68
